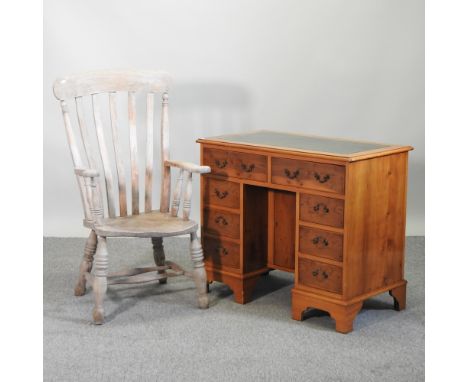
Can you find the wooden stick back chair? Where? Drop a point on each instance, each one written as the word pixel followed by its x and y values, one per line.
pixel 120 220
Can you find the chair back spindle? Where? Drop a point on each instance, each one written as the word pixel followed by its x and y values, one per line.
pixel 109 179
pixel 84 132
pixel 149 152
pixel 165 170
pixel 133 152
pixel 118 154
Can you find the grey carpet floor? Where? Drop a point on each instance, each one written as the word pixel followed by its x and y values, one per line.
pixel 155 332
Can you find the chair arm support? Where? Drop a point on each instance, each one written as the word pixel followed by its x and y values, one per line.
pixel 184 194
pixel 190 167
pixel 91 193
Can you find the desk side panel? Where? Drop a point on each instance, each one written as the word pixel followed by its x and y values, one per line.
pixel 375 218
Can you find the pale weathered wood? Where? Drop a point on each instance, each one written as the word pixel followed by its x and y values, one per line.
pixel 169 265
pixel 198 273
pixel 133 152
pixel 165 170
pixel 76 158
pixel 87 263
pixel 89 278
pixel 183 187
pixel 149 152
pixel 118 154
pixel 151 223
pixel 188 166
pixel 143 278
pixel 100 280
pixel 85 199
pixel 136 271
pixel 177 268
pixel 85 84
pixel 87 172
pixel 77 162
pixel 177 193
pixel 92 195
pixel 94 200
pixel 84 132
pixel 104 156
pixel 187 195
pixel 140 275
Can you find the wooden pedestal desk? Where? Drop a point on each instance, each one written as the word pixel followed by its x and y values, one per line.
pixel 331 211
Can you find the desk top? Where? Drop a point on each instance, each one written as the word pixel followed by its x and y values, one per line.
pixel 349 149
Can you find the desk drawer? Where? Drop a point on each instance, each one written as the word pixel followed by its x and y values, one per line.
pixel 221 193
pixel 319 275
pixel 300 173
pixel 321 210
pixel 236 164
pixel 221 252
pixel 317 242
pixel 221 223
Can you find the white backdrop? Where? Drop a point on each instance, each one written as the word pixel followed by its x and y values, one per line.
pixel 339 68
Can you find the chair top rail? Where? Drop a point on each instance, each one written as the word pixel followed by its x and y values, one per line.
pixel 105 81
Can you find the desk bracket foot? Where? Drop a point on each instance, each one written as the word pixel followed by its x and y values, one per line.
pixel 343 313
pixel 242 288
pixel 399 297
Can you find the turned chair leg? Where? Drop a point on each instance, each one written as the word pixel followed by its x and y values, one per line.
pixel 86 263
pixel 159 256
pixel 199 273
pixel 100 280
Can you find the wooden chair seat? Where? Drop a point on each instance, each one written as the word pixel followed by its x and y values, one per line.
pixel 150 224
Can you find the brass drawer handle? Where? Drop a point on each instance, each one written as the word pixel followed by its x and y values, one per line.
pixel 248 168
pixel 321 179
pixel 317 239
pixel 316 272
pixel 223 251
pixel 291 175
pixel 323 206
pixel 221 195
pixel 221 164
pixel 222 220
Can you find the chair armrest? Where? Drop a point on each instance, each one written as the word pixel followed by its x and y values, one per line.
pixel 190 167
pixel 86 172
